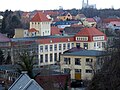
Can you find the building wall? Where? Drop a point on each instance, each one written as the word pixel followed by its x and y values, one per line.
pixel 83 66
pixel 43 28
pixel 19 33
pixel 59 50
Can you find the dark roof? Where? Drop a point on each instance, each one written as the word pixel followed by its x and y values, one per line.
pixel 72 30
pixel 85 53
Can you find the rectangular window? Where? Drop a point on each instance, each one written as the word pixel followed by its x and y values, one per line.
pixel 59 46
pixel 85 45
pixel 67 60
pixel 72 45
pixel 88 71
pixel 66 70
pixel 51 47
pixel 55 47
pixel 77 61
pixel 41 58
pixel 89 61
pixel 68 46
pixel 55 56
pixel 77 70
pixel 51 57
pixel 95 44
pixel 64 46
pixel 78 45
pixel 46 57
pixel 41 48
pixel 46 48
pixel 103 44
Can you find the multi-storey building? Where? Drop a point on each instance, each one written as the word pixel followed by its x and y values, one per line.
pixel 82 64
pixel 41 23
pixel 49 48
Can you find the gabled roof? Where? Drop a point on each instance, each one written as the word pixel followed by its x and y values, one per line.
pixel 24 82
pixel 40 17
pixel 90 32
pixel 32 30
pixel 3 38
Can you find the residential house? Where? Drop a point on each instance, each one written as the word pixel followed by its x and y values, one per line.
pixel 89 22
pixel 65 16
pixel 81 17
pixel 115 25
pixel 63 24
pixel 81 64
pixel 41 23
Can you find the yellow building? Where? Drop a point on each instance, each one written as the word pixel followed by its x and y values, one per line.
pixel 65 17
pixel 82 64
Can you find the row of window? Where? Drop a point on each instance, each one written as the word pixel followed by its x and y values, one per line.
pixel 39 22
pixel 82 38
pixel 56 47
pixel 98 38
pixel 46 58
pixel 67 70
pixel 85 45
pixel 77 61
pixel 99 44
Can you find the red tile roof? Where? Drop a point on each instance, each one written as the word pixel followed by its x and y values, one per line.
pixel 90 33
pixel 115 23
pixel 55 30
pixel 90 20
pixel 55 40
pixel 40 17
pixel 108 20
pixel 32 30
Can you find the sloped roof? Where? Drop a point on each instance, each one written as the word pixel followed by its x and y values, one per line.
pixel 108 20
pixel 115 23
pixel 39 17
pixel 24 82
pixel 55 30
pixel 90 32
pixel 32 30
pixel 90 20
pixel 72 30
pixel 3 38
pixel 85 53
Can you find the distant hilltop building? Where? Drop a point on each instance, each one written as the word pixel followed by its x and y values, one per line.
pixel 86 4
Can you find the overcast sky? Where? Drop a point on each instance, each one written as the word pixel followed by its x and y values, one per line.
pixel 30 5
